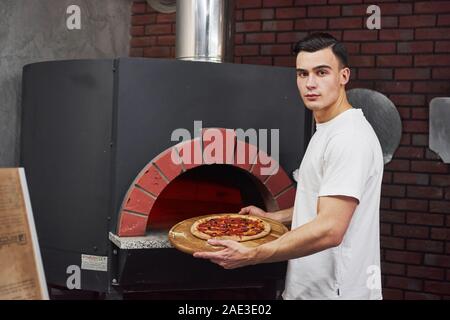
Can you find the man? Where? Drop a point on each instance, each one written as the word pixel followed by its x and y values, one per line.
pixel 333 246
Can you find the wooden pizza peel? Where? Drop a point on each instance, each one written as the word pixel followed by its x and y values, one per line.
pixel 181 238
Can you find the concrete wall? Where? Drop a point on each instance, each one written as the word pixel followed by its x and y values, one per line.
pixel 35 30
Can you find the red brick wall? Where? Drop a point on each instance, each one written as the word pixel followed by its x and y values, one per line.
pixel 153 33
pixel 408 60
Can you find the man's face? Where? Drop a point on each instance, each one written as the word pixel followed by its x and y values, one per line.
pixel 319 78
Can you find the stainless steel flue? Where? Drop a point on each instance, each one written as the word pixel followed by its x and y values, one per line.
pixel 204 30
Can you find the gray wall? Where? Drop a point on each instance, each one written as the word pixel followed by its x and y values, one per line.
pixel 35 30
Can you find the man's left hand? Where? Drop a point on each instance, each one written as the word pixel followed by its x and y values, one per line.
pixel 234 255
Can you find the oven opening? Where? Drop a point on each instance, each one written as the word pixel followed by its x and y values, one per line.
pixel 206 190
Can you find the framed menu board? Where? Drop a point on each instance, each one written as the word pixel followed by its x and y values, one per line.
pixel 21 271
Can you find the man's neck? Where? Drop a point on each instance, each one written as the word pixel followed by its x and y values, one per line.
pixel 326 114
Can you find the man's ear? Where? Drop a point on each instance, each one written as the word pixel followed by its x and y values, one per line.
pixel 345 76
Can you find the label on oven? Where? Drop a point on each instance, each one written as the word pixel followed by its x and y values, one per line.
pixel 95 263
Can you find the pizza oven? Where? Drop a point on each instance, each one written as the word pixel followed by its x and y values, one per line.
pixel 118 151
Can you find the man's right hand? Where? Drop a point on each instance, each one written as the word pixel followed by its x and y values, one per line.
pixel 283 216
pixel 254 211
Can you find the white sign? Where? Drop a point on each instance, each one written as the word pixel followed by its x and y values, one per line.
pixel 95 263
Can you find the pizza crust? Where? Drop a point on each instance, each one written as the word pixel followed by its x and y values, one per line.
pixel 204 236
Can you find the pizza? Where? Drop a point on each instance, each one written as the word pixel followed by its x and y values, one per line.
pixel 230 226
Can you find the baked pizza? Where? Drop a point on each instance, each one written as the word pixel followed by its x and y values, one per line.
pixel 230 226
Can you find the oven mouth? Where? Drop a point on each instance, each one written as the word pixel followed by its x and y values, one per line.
pixel 207 189
pixel 203 190
pixel 175 185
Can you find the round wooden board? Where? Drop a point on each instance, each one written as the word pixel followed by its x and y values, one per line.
pixel 181 238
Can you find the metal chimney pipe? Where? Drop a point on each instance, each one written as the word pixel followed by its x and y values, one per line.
pixel 204 30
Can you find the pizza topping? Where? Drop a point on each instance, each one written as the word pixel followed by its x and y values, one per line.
pixel 231 227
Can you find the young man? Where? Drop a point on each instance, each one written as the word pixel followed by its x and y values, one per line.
pixel 333 246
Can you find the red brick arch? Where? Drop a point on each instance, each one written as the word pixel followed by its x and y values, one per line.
pixel 159 172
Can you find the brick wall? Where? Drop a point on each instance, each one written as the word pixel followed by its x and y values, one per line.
pixel 153 33
pixel 408 60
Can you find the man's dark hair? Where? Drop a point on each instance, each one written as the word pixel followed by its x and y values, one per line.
pixel 321 40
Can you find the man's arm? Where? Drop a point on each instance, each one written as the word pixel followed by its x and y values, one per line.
pixel 283 216
pixel 326 231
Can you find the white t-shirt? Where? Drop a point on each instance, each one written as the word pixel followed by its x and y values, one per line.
pixel 344 157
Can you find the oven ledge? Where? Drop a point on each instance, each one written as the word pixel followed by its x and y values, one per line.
pixel 154 239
